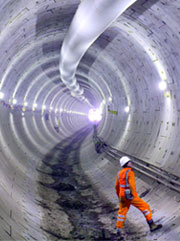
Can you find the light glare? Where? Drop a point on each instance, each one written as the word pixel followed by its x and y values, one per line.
pixel 14 101
pixel 162 85
pixel 1 95
pixel 126 109
pixel 95 115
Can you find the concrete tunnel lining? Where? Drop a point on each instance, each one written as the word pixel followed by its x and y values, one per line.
pixel 147 39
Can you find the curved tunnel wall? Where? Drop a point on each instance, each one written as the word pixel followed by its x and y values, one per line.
pixel 127 62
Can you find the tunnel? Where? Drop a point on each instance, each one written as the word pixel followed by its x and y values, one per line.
pixel 53 183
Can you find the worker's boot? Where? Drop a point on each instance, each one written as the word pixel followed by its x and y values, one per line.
pixel 153 227
pixel 119 233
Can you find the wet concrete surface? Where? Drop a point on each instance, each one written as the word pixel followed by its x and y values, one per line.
pixel 72 209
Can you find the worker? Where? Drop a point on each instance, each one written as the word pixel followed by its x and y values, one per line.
pixel 126 191
pixel 100 146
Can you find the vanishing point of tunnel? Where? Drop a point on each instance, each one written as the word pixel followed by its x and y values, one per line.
pixel 54 185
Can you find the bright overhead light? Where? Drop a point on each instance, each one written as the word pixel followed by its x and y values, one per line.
pixel 14 101
pixel 110 99
pixel 167 94
pixel 126 109
pixel 162 85
pixel 51 108
pixel 44 107
pixel 34 105
pixel 25 103
pixel 1 95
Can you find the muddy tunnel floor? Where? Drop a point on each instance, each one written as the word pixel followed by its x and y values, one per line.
pixel 72 208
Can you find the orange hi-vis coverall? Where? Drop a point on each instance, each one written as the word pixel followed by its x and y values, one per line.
pixel 124 204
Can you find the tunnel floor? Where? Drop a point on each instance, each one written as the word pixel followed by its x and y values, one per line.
pixel 72 209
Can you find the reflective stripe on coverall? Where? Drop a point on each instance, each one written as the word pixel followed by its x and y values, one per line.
pixel 124 204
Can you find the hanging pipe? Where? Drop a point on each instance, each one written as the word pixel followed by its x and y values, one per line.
pixel 91 19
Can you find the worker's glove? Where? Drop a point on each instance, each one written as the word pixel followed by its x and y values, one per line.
pixel 128 194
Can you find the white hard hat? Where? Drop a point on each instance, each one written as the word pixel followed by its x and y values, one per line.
pixel 123 160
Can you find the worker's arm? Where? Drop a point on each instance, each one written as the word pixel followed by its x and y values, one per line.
pixel 132 183
pixel 117 185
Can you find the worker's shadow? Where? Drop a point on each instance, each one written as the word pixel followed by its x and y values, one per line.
pixel 167 227
pixel 171 225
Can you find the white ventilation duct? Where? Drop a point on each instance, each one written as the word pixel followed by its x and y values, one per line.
pixel 90 20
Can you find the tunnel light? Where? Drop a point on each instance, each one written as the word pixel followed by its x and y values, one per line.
pixel 51 108
pixel 101 107
pixel 44 107
pixel 126 109
pixel 1 95
pixel 167 94
pixel 162 85
pixel 110 99
pixel 14 101
pixel 95 115
pixel 25 104
pixel 35 105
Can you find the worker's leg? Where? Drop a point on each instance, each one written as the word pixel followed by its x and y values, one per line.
pixel 98 148
pixel 121 217
pixel 143 207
